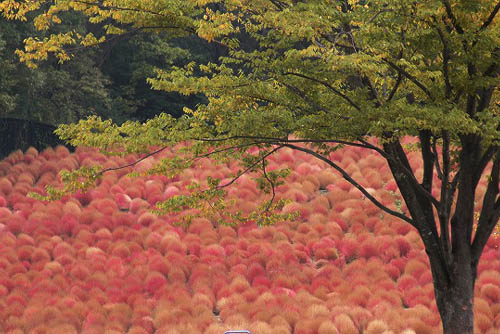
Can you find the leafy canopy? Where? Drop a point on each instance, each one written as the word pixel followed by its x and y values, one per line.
pixel 324 72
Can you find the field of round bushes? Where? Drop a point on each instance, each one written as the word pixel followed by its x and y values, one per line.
pixel 102 263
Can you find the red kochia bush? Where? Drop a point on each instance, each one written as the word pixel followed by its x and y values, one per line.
pixel 348 248
pixel 105 205
pixel 171 243
pixel 406 282
pixel 159 264
pixel 138 204
pixel 146 219
pixel 255 270
pixel 3 201
pixel 403 245
pixel 369 248
pixel 491 292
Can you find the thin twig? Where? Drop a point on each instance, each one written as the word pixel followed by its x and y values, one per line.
pixel 271 183
pixel 249 168
pixel 132 163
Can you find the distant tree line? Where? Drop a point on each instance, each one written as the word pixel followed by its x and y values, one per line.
pixel 109 80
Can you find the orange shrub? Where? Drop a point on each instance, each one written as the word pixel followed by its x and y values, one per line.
pixel 369 248
pixel 172 243
pixel 328 327
pixel 159 263
pixel 491 292
pixel 176 274
pixel 376 327
pixel 120 249
pixel 138 205
pixel 154 282
pixel 415 268
pixel 345 325
pixel 294 207
pixel 307 326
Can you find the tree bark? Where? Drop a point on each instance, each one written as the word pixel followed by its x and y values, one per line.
pixel 455 296
pixel 455 305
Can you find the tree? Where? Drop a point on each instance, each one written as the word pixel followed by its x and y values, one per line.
pixel 6 82
pixel 329 74
pixel 108 80
pixel 130 61
pixel 52 93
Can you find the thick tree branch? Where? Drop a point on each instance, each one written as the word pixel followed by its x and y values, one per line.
pixel 462 221
pixel 421 212
pixel 439 171
pixel 488 217
pixel 485 159
pixel 406 169
pixel 490 17
pixel 428 159
pixel 417 202
pixel 446 196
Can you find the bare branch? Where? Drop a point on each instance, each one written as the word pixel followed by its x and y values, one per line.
pixel 101 6
pixel 452 17
pixel 378 13
pixel 327 85
pixel 446 58
pixel 410 77
pixel 303 95
pixel 278 141
pixel 399 80
pixel 271 182
pixel 132 163
pixel 347 177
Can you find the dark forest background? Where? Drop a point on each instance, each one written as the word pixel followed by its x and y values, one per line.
pixel 109 81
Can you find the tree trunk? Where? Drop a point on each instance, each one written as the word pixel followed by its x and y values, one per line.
pixel 455 298
pixel 456 309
